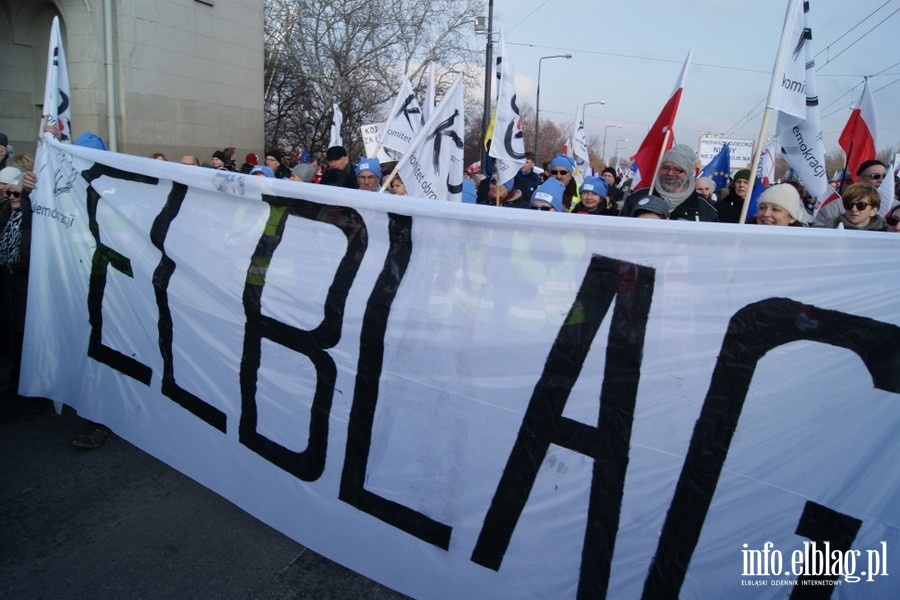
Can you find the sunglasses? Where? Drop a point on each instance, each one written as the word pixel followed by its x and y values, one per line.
pixel 875 176
pixel 542 207
pixel 860 206
pixel 892 221
pixel 559 172
pixel 12 194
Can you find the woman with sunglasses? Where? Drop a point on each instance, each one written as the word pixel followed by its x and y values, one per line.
pixel 14 247
pixel 861 202
pixel 893 219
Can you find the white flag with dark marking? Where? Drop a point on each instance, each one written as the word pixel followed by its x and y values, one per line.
pixel 57 111
pixel 433 165
pixel 336 122
pixel 798 129
pixel 404 120
pixel 508 141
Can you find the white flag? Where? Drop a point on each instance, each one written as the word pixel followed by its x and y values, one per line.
pixel 886 189
pixel 433 165
pixel 579 146
pixel 336 123
pixel 404 121
pixel 57 110
pixel 767 164
pixel 797 128
pixel 508 141
pixel 428 106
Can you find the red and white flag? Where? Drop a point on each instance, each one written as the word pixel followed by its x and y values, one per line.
pixel 858 137
pixel 57 110
pixel 651 149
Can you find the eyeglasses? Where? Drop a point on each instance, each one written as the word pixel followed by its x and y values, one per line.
pixel 860 206
pixel 542 207
pixel 12 194
pixel 875 176
pixel 676 170
pixel 559 172
pixel 892 221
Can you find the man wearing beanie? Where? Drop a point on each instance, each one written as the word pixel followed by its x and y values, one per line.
pixel 273 161
pixel 368 174
pixel 730 207
pixel 781 205
pixel 336 174
pixel 675 185
pixel 561 169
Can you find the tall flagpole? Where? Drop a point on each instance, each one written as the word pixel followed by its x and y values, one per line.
pixel 778 68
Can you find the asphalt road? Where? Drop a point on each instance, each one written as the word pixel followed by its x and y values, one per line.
pixel 117 523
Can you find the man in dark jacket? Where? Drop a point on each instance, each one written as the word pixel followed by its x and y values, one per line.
pixel 337 174
pixel 526 179
pixel 675 185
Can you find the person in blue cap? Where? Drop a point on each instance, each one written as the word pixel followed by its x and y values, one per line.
pixel 368 174
pixel 595 198
pixel 561 168
pixel 548 196
pixel 262 171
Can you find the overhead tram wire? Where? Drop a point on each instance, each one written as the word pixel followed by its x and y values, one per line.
pixel 879 24
pixel 754 113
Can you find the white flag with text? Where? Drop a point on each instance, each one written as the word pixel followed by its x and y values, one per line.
pixel 433 165
pixel 404 120
pixel 799 131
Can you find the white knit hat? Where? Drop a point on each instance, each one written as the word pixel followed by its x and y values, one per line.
pixel 786 196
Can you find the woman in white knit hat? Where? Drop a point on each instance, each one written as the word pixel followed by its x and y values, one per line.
pixel 781 205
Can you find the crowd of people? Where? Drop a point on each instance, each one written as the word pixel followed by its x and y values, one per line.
pixel 677 192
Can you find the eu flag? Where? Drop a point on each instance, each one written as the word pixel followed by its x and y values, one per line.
pixel 719 168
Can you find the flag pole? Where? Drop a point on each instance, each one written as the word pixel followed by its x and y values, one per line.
pixel 754 165
pixel 659 162
pixel 784 44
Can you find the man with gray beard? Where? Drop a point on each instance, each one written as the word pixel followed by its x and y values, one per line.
pixel 675 185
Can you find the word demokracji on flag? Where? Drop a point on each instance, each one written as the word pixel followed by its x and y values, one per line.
pixel 652 148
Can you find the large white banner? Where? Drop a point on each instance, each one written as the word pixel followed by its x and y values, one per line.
pixel 461 401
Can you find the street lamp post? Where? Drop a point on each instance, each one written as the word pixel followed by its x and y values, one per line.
pixel 537 102
pixel 620 148
pixel 584 108
pixel 488 70
pixel 605 129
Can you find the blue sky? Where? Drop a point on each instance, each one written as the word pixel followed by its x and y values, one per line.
pixel 629 53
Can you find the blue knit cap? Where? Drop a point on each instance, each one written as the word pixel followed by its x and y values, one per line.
pixel 90 140
pixel 550 191
pixel 268 172
pixel 561 160
pixel 596 185
pixel 369 164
